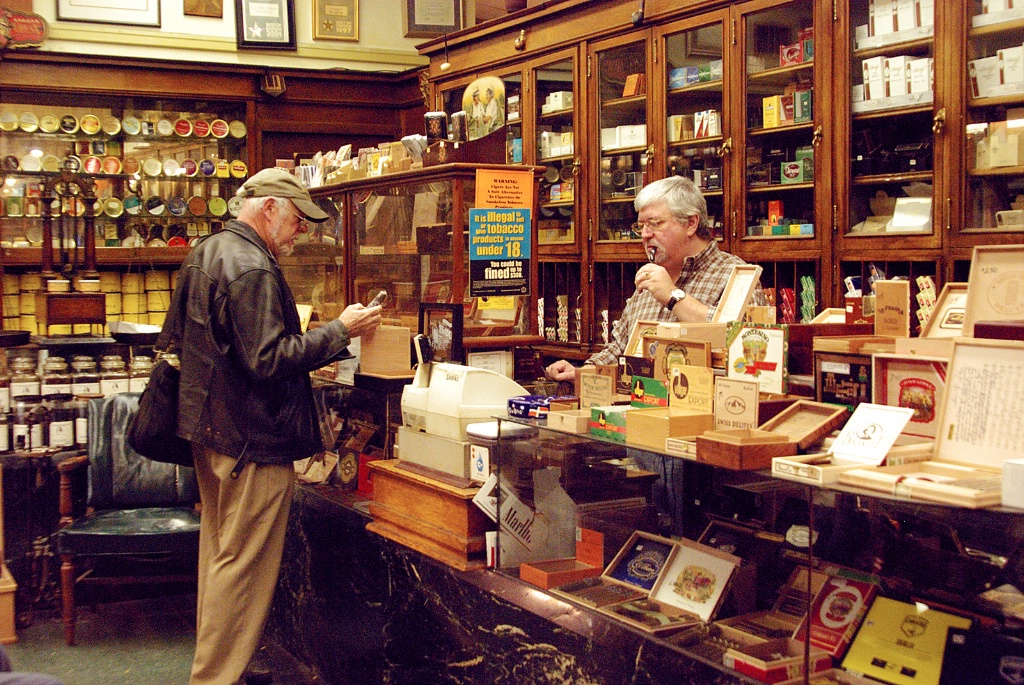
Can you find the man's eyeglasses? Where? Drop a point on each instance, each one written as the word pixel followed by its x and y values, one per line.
pixel 653 225
pixel 303 221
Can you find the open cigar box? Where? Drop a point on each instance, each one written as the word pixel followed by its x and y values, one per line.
pixel 801 425
pixel 974 434
pixel 776 661
pixel 866 440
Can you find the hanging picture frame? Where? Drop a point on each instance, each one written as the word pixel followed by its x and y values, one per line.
pixel 265 24
pixel 442 325
pixel 204 8
pixel 129 12
pixel 336 20
pixel 431 18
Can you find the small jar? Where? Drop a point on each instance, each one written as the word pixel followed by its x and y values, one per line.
pixel 28 421
pixel 138 372
pixel 113 376
pixel 85 379
pixel 5 392
pixel 61 414
pixel 80 405
pixel 24 379
pixel 56 379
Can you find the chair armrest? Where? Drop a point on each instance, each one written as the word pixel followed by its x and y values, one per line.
pixel 66 468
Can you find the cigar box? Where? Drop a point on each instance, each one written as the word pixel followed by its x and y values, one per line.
pixel 587 563
pixel 776 661
pixel 629 576
pixel 973 440
pixel 570 421
pixel 806 422
pixel 651 427
pixel 743 449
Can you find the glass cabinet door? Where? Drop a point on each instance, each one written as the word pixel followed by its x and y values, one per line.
pixel 993 132
pixel 555 103
pixel 620 77
pixel 779 147
pixel 895 115
pixel 695 110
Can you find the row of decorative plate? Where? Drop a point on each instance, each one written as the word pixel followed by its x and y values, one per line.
pixel 132 205
pixel 92 124
pixel 151 166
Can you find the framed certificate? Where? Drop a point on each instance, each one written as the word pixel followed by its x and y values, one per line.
pixel 265 24
pixel 431 18
pixel 336 19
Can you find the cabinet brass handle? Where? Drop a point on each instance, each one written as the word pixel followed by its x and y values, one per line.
pixel 650 154
pixel 816 138
pixel 939 122
pixel 726 147
pixel 576 166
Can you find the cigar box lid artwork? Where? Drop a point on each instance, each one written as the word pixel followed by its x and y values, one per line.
pixel 836 613
pixel 902 643
pixel 974 438
pixel 758 352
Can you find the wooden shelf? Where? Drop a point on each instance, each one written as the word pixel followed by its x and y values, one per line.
pixel 558 114
pixel 997 100
pixel 778 75
pixel 997 171
pixel 776 187
pixel 893 111
pixel 696 87
pixel 105 256
pixel 788 128
pixel 617 200
pixel 625 102
pixel 876 179
pixel 697 142
pixel 565 203
pixel 996 29
pixel 623 151
pixel 917 46
pixel 560 158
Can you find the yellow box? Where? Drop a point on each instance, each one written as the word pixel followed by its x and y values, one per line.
pixel 651 427
pixel 7 589
pixel 771 110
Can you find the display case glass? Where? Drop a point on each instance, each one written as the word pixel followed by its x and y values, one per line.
pixel 408 233
pixel 696 98
pixel 556 106
pixel 164 172
pixel 781 128
pixel 994 91
pixel 621 73
pixel 896 116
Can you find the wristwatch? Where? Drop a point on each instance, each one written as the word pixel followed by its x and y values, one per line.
pixel 676 295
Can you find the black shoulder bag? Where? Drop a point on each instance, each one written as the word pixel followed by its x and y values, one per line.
pixel 153 430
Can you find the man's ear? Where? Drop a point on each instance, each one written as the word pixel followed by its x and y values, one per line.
pixel 692 222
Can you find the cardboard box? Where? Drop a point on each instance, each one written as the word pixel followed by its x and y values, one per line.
pixel 8 587
pixel 634 135
pixel 897 75
pixel 983 75
pixel 609 140
pixel 561 99
pixel 1011 64
pixel 922 75
pixel 925 12
pixel 771 108
pixel 791 54
pixel 873 70
pixel 906 14
pixel 1013 483
pixel 609 422
pixel 881 17
pixel 803 106
pixel 796 172
pixel 651 427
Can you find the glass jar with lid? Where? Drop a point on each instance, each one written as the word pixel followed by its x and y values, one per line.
pixel 61 425
pixel 5 393
pixel 138 372
pixel 113 375
pixel 85 379
pixel 56 379
pixel 28 422
pixel 171 358
pixel 24 379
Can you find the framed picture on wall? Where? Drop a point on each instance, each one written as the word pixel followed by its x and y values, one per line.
pixel 335 19
pixel 129 12
pixel 204 8
pixel 265 24
pixel 431 18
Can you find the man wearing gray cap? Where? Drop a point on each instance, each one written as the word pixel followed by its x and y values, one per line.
pixel 246 405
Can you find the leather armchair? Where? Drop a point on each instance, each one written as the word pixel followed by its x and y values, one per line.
pixel 136 506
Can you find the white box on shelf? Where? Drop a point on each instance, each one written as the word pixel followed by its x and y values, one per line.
pixel 906 14
pixel 561 99
pixel 990 6
pixel 984 75
pixel 857 93
pixel 632 135
pixel 897 74
pixel 610 138
pixel 925 12
pixel 874 78
pixel 922 74
pixel 1011 64
pixel 860 33
pixel 882 17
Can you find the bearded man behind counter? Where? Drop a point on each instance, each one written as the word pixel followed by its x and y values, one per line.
pixel 687 273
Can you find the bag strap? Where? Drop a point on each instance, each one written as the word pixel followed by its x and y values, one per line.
pixel 174 325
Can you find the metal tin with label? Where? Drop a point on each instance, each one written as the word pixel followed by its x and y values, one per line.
pixel 239 169
pixel 237 129
pixel 49 123
pixel 223 168
pixel 132 204
pixel 176 206
pixel 28 122
pixel 171 167
pixel 207 167
pixel 92 164
pixel 219 128
pixel 131 166
pixel 131 126
pixel 111 165
pixel 51 163
pixel 30 163
pixel 113 207
pixel 10 163
pixel 155 205
pixel 69 123
pixel 183 127
pixel 201 128
pixel 72 163
pixel 152 166
pixel 110 124
pixel 8 121
pixel 90 124
pixel 164 127
pixel 197 205
pixel 218 206
pixel 189 167
pixel 235 205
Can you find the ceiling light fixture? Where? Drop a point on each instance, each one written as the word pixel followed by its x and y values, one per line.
pixel 446 65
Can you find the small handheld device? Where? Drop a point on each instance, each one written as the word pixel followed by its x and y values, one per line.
pixel 380 299
pixel 652 252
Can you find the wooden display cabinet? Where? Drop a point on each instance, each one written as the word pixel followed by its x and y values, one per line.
pixel 408 233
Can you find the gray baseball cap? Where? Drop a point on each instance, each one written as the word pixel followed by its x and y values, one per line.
pixel 274 182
